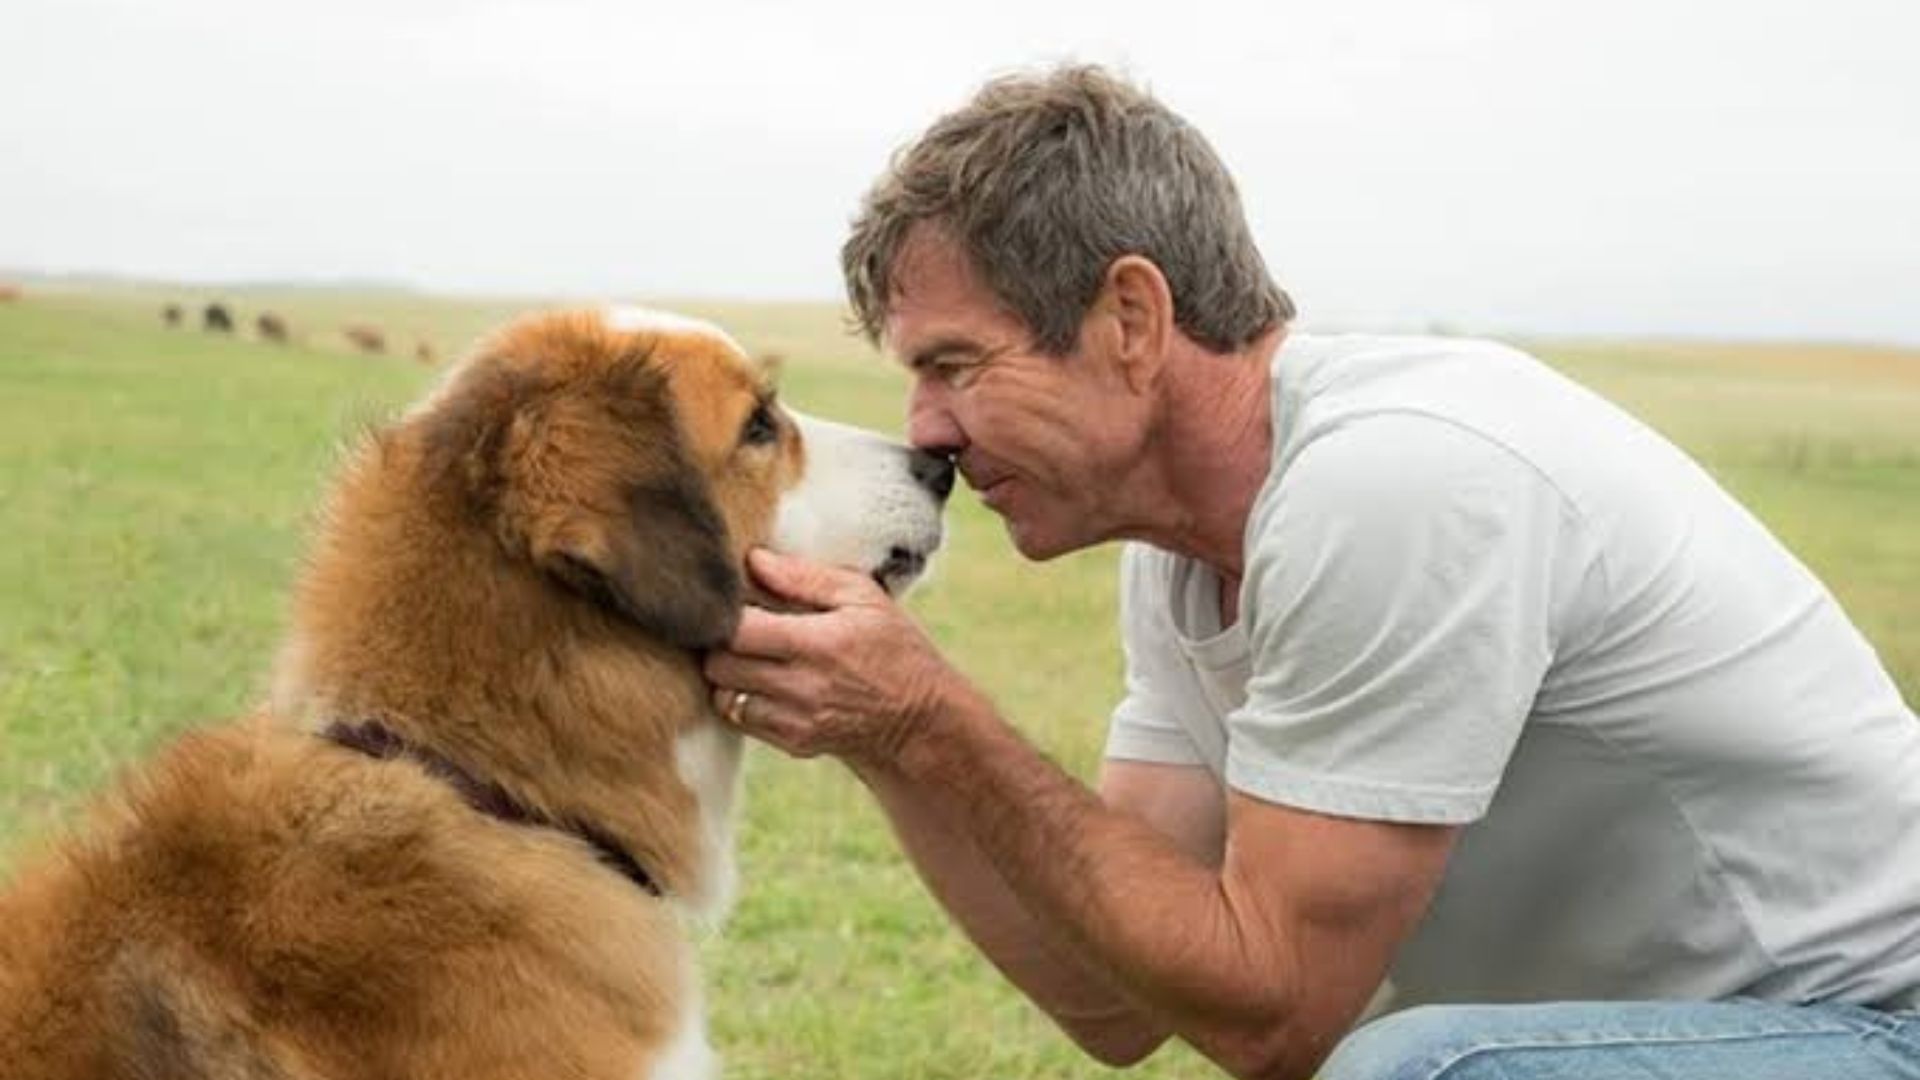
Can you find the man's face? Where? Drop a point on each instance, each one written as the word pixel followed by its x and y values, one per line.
pixel 1044 440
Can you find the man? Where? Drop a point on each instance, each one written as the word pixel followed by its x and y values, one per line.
pixel 1439 668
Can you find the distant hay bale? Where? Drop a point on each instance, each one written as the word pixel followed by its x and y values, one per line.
pixel 425 353
pixel 172 316
pixel 9 292
pixel 271 327
pixel 216 319
pixel 368 339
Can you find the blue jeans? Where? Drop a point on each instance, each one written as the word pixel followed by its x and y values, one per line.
pixel 1741 1039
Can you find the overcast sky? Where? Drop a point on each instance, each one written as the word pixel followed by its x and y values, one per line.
pixel 1714 167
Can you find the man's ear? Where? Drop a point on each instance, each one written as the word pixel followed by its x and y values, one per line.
pixel 1138 304
pixel 662 562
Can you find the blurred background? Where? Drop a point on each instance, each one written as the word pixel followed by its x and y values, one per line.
pixel 234 235
pixel 1728 168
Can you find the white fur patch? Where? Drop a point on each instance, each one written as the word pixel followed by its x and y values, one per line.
pixel 858 500
pixel 624 318
pixel 708 759
pixel 630 319
pixel 689 1056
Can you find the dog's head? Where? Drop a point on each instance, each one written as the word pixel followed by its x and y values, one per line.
pixel 634 458
pixel 514 575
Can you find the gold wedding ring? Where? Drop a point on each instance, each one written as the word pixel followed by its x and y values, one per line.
pixel 737 708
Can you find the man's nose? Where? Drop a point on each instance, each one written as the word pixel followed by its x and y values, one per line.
pixel 933 472
pixel 930 427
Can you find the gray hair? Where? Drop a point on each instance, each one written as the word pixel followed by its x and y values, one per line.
pixel 1044 179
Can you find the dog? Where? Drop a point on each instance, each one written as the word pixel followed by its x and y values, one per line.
pixel 489 789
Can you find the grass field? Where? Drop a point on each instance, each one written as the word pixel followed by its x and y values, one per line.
pixel 153 492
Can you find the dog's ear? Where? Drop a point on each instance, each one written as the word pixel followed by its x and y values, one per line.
pixel 563 479
pixel 662 561
pixel 464 435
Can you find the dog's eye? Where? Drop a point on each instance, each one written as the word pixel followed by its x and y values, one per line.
pixel 761 427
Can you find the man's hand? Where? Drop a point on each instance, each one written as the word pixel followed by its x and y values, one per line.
pixel 852 676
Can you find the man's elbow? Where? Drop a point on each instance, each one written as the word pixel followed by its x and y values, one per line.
pixel 1267 1054
pixel 1117 1044
pixel 1262 1055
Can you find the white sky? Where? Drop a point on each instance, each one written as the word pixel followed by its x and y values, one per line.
pixel 1718 167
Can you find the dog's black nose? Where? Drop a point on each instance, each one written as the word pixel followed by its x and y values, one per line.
pixel 933 472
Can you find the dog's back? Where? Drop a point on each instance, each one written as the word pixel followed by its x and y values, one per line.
pixel 258 903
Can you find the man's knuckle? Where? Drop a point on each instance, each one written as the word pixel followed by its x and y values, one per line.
pixel 816 688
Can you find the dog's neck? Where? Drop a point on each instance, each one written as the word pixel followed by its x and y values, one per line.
pixel 483 664
pixel 377 741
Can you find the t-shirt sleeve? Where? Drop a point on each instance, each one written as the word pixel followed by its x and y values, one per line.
pixel 1145 724
pixel 1400 580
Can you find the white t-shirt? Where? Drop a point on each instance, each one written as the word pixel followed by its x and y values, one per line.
pixel 1476 593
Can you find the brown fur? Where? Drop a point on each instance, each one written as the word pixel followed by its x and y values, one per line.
pixel 271 327
pixel 514 576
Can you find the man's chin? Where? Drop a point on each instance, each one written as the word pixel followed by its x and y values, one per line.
pixel 1036 544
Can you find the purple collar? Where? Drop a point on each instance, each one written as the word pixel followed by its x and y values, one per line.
pixel 377 741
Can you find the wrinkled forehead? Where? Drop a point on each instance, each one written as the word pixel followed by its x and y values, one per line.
pixel 937 296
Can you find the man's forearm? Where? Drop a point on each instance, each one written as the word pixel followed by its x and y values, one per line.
pixel 1084 1004
pixel 1127 903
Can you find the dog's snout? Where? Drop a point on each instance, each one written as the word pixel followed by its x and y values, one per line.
pixel 933 472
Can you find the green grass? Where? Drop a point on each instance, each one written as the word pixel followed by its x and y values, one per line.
pixel 154 487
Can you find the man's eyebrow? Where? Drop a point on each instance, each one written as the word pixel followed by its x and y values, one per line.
pixel 933 350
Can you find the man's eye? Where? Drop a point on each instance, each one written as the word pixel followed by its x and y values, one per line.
pixel 955 372
pixel 761 428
